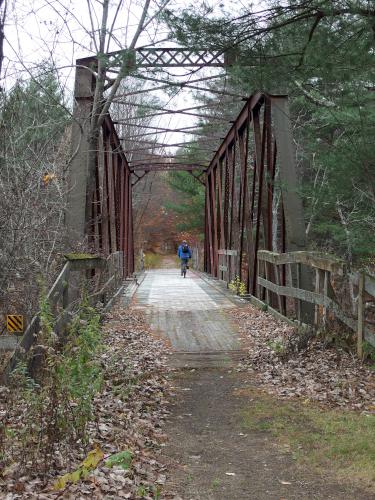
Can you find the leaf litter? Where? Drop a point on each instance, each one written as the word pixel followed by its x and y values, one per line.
pixel 289 365
pixel 122 458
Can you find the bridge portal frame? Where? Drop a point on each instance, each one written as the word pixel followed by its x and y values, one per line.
pixel 240 214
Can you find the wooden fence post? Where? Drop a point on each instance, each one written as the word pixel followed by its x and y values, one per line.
pixel 317 290
pixel 327 276
pixel 298 301
pixel 320 282
pixel 361 286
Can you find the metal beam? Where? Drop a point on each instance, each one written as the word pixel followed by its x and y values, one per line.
pixel 168 166
pixel 158 158
pixel 255 100
pixel 176 57
pixel 194 130
pixel 166 86
pixel 149 127
pixel 164 57
pixel 161 146
pixel 167 169
pixel 170 131
pixel 183 113
pixel 160 108
pixel 189 86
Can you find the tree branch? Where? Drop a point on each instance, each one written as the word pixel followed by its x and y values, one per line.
pixel 123 69
pixel 319 16
pixel 315 100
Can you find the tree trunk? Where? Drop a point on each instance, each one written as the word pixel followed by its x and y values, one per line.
pixel 3 8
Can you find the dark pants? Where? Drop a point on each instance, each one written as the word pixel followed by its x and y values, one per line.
pixel 184 261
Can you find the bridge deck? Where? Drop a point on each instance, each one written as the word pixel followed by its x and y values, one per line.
pixel 190 312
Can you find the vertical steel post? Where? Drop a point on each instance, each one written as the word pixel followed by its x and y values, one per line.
pixel 259 166
pixel 215 220
pixel 226 200
pixel 130 230
pixel 206 247
pixel 209 224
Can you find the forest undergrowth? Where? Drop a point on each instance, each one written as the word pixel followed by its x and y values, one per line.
pixel 90 421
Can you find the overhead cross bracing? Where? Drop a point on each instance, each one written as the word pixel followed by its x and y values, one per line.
pixel 164 145
pixel 157 120
pixel 168 123
pixel 152 118
pixel 151 57
pixel 168 166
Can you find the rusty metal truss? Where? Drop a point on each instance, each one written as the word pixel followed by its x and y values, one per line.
pixel 172 57
pixel 239 195
pixel 111 228
pixel 251 187
pixel 252 197
pixel 167 167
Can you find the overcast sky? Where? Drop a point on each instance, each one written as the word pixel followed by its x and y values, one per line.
pixel 60 31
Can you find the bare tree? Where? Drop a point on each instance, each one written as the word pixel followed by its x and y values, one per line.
pixel 3 9
pixel 34 150
pixel 108 71
pixel 101 100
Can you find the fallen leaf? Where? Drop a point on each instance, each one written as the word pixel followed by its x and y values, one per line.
pixel 93 458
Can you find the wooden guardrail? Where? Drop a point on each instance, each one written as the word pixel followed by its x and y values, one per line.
pixel 227 262
pixel 271 266
pixel 100 276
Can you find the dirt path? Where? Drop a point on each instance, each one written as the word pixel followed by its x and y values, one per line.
pixel 168 261
pixel 213 454
pixel 218 458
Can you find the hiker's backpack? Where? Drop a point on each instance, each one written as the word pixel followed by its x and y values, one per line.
pixel 185 248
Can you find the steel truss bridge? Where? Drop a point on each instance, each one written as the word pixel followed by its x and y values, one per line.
pixel 251 186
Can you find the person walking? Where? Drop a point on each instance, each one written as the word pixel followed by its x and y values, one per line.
pixel 184 254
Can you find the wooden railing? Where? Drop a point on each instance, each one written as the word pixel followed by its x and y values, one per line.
pixel 227 260
pixel 366 285
pixel 99 277
pixel 279 278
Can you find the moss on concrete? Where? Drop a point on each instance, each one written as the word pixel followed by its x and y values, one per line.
pixel 80 256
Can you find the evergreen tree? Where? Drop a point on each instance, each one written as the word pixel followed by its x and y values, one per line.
pixel 321 54
pixel 191 207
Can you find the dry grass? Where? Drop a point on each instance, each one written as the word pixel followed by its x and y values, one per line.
pixel 340 442
pixel 153 260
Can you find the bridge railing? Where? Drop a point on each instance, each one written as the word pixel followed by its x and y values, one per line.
pixel 227 264
pixel 275 268
pixel 97 277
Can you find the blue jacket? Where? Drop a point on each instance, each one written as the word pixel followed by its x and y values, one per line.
pixel 183 255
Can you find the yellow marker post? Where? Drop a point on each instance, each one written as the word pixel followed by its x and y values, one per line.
pixel 15 323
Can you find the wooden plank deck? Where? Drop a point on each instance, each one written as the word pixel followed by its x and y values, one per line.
pixel 189 312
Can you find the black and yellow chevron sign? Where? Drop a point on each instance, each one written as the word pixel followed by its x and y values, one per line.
pixel 14 323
